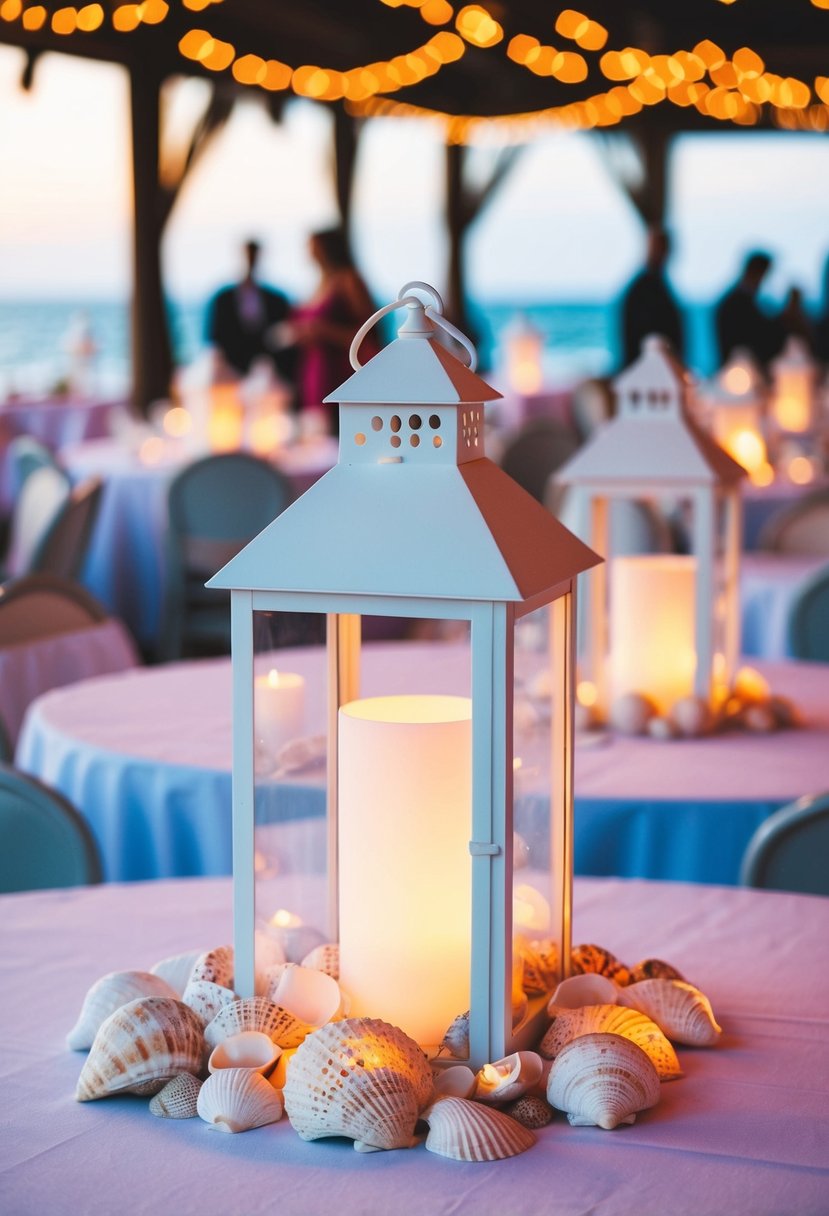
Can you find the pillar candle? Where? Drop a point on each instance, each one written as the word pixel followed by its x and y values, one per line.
pixel 405 796
pixel 279 709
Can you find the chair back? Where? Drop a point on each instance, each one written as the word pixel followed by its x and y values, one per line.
pixel 788 851
pixel 800 528
pixel 42 497
pixel 538 450
pixel 45 842
pixel 807 626
pixel 27 455
pixel 63 547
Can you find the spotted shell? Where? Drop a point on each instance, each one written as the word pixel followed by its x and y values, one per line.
pixel 680 1010
pixel 324 958
pixel 177 969
pixel 178 1098
pixel 206 999
pixel 530 1111
pixel 653 969
pixel 216 966
pixel 588 958
pixel 540 965
pixel 236 1100
pixel 256 1013
pixel 106 995
pixel 569 1024
pixel 360 1078
pixel 140 1046
pixel 602 1080
pixel 467 1131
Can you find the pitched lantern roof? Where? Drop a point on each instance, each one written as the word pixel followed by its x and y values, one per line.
pixel 413 507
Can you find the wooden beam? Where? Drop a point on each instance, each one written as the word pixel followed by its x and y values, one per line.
pixel 346 140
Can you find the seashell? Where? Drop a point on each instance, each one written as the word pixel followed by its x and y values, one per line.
pixel 508 1078
pixel 602 1080
pixel 589 988
pixel 311 996
pixel 631 713
pixel 249 1049
pixel 106 995
pixel 568 1024
pixel 540 964
pixel 178 1098
pixel 692 716
pixel 324 958
pixel 267 978
pixel 216 966
pixel 256 1013
pixel 784 710
pixel 279 1075
pixel 653 969
pixel 236 1099
pixel 360 1078
pixel 176 969
pixel 661 728
pixel 206 999
pixel 680 1010
pixel 467 1131
pixel 140 1046
pixel 456 1040
pixel 596 958
pixel 759 719
pixel 530 1111
pixel 456 1081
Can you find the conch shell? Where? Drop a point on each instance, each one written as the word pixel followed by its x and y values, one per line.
pixel 178 1098
pixel 653 969
pixel 206 999
pixel 596 958
pixel 236 1099
pixel 568 1024
pixel 467 1131
pixel 602 1080
pixel 680 1010
pixel 106 995
pixel 360 1078
pixel 140 1046
pixel 256 1013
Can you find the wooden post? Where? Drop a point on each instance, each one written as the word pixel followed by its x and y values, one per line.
pixel 345 158
pixel 456 223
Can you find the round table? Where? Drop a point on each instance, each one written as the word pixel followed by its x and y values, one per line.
pixel 145 755
pixel 745 1131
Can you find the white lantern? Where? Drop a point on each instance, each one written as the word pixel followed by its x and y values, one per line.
pixel 794 389
pixel 734 404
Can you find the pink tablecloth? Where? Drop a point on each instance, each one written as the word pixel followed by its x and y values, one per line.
pixel 745 1133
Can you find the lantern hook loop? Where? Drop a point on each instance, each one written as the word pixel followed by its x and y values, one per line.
pixel 433 311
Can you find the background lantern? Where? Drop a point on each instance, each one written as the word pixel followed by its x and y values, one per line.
pixel 663 625
pixel 734 404
pixel 794 385
pixel 415 522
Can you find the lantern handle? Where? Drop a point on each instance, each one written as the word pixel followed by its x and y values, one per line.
pixel 433 311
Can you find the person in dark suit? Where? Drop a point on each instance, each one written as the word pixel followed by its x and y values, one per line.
pixel 649 305
pixel 240 318
pixel 739 319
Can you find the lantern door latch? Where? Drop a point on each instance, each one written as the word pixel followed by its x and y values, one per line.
pixel 484 848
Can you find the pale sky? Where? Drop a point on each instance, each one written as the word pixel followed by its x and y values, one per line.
pixel 558 229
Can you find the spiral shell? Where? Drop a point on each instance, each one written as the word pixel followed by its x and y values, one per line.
pixel 256 1013
pixel 178 1098
pixel 360 1078
pixel 324 958
pixel 602 1080
pixel 177 969
pixel 596 958
pixel 653 969
pixel 236 1100
pixel 106 995
pixel 206 999
pixel 540 965
pixel 456 1040
pixel 530 1111
pixel 569 1024
pixel 140 1046
pixel 216 966
pixel 680 1010
pixel 589 988
pixel 467 1131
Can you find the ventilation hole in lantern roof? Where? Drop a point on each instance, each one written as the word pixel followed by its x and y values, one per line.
pixel 414 440
pixel 395 422
pixel 434 423
pixel 415 422
pixel 437 441
pixel 377 423
pixel 634 396
pixel 395 441
pixel 359 439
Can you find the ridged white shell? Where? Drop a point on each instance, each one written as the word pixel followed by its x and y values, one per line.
pixel 206 999
pixel 360 1078
pixel 178 1098
pixel 177 969
pixel 256 1013
pixel 106 995
pixel 140 1046
pixel 324 958
pixel 590 988
pixel 568 1024
pixel 680 1010
pixel 216 966
pixel 236 1100
pixel 602 1080
pixel 508 1078
pixel 467 1131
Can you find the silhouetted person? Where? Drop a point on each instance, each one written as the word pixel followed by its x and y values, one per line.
pixel 648 304
pixel 822 323
pixel 239 318
pixel 795 320
pixel 739 320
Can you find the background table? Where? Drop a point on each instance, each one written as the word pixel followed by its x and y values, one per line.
pixel 746 1132
pixel 769 585
pixel 146 756
pixel 762 503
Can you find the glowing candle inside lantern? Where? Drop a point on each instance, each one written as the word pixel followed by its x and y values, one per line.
pixel 279 709
pixel 226 420
pixel 405 794
pixel 652 648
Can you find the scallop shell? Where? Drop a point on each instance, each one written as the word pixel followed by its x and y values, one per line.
pixel 177 969
pixel 360 1078
pixel 206 999
pixel 456 1040
pixel 140 1046
pixel 249 1049
pixel 569 1024
pixel 256 1013
pixel 216 966
pixel 467 1131
pixel 680 1010
pixel 236 1099
pixel 178 1098
pixel 508 1078
pixel 324 958
pixel 530 1111
pixel 106 995
pixel 589 988
pixel 653 969
pixel 602 1080
pixel 596 958
pixel 540 965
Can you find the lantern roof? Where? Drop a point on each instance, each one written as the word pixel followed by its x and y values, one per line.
pixel 413 507
pixel 653 437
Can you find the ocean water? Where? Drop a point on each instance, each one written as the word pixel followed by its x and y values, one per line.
pixel 580 339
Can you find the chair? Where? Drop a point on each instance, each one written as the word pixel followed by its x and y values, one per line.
pixel 62 548
pixel 42 605
pixel 39 501
pixel 807 627
pixel 26 456
pixel 46 843
pixel 216 505
pixel 800 528
pixel 540 448
pixel 789 850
